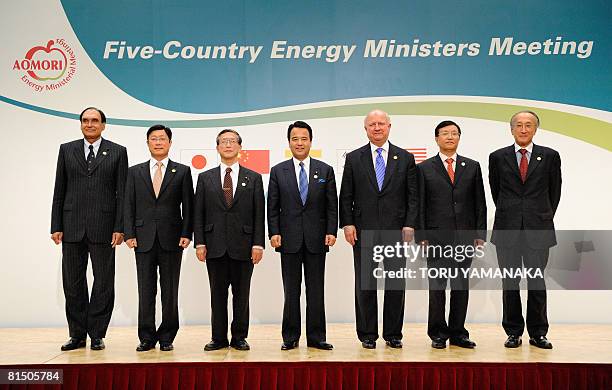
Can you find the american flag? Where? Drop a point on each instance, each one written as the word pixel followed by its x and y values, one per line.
pixel 420 154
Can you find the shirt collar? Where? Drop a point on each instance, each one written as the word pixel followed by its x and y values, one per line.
pixel 153 163
pixel 528 147
pixel 385 147
pixel 443 157
pixel 96 144
pixel 235 167
pixel 306 161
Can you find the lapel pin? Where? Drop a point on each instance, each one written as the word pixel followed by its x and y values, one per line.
pixel 104 153
pixel 316 176
pixel 539 158
pixel 462 163
pixel 173 170
pixel 395 157
pixel 243 184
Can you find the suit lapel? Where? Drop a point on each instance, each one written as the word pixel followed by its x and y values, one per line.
pixel 368 165
pixel 510 157
pixel 145 174
pixel 459 168
pixel 392 159
pixel 314 173
pixel 168 176
pixel 534 161
pixel 79 153
pixel 289 172
pixel 243 181
pixel 217 184
pixel 440 168
pixel 103 152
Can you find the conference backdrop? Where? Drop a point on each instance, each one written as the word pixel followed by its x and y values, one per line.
pixel 257 66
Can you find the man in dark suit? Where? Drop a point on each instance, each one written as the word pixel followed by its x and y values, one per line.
pixel 525 182
pixel 158 226
pixel 86 219
pixel 229 235
pixel 452 211
pixel 302 225
pixel 378 193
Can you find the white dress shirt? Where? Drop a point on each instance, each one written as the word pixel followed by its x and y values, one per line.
pixel 443 157
pixel 296 165
pixel 384 154
pixel 234 175
pixel 153 167
pixel 519 155
pixel 96 147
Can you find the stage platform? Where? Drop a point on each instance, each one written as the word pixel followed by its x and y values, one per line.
pixel 581 358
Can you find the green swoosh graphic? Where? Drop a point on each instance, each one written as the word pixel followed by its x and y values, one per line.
pixel 590 130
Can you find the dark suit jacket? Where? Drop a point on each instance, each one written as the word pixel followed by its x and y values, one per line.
pixel 89 201
pixel 232 230
pixel 451 212
pixel 363 205
pixel 527 206
pixel 170 216
pixel 302 224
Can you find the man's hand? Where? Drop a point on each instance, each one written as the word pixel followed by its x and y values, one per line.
pixel 117 239
pixel 330 239
pixel 407 234
pixel 256 255
pixel 184 242
pixel 57 237
pixel 350 234
pixel 201 253
pixel 275 241
pixel 478 243
pixel 131 243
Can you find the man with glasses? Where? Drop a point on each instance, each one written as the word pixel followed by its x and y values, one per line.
pixel 158 226
pixel 86 218
pixel 229 236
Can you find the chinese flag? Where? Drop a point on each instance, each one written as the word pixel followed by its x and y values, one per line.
pixel 256 160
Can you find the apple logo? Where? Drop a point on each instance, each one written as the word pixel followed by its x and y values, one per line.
pixel 46 63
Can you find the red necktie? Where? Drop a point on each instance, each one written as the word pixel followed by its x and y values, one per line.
pixel 449 169
pixel 524 164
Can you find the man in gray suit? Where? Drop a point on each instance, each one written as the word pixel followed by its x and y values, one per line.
pixel 86 219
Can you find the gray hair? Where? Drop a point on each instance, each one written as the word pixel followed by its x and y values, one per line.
pixel 377 111
pixel 525 112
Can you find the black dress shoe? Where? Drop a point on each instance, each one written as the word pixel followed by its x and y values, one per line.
pixel 395 343
pixel 166 347
pixel 73 343
pixel 368 344
pixel 214 345
pixel 240 345
pixel 321 345
pixel 513 341
pixel 438 343
pixel 287 345
pixel 462 342
pixel 145 346
pixel 540 342
pixel 97 344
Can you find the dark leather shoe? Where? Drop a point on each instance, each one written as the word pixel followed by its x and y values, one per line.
pixel 145 346
pixel 462 342
pixel 321 345
pixel 166 347
pixel 287 345
pixel 214 345
pixel 73 343
pixel 240 345
pixel 438 343
pixel 97 344
pixel 540 342
pixel 368 344
pixel 395 343
pixel 513 341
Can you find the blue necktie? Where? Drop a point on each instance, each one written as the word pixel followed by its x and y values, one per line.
pixel 303 184
pixel 380 168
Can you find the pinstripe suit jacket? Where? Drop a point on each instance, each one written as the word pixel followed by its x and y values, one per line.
pixel 89 201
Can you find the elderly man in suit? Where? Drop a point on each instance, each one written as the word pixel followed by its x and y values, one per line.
pixel 229 236
pixel 302 225
pixel 158 226
pixel 86 219
pixel 378 195
pixel 525 182
pixel 452 211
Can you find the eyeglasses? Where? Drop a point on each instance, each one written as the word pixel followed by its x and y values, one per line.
pixel 158 139
pixel 228 141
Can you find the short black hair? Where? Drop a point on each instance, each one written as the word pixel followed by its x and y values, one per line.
pixel 229 131
pixel 444 124
pixel 160 127
pixel 102 116
pixel 301 125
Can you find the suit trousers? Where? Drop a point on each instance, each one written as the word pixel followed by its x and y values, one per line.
pixel 169 265
pixel 366 298
pixel 224 272
pixel 85 314
pixel 437 327
pixel 314 275
pixel 513 322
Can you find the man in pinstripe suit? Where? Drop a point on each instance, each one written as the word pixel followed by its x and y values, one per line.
pixel 86 219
